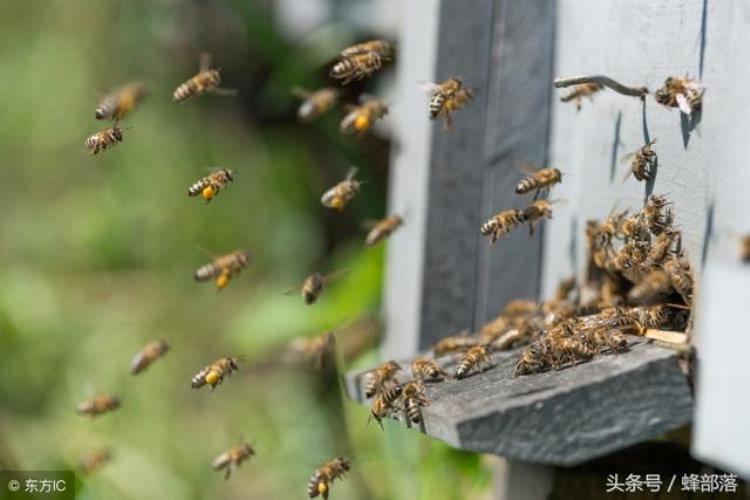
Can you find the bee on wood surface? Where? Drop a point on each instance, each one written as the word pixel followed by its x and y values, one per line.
pixel 502 223
pixel 208 80
pixel 104 139
pixel 118 104
pixel 313 285
pixel 214 373
pixel 223 268
pixel 209 186
pixel 382 229
pixel 341 194
pixel 232 458
pixel 557 348
pixel 357 67
pixel 538 210
pixel 539 180
pixel 651 286
pixel 658 316
pixel 98 405
pixel 150 353
pixel 379 377
pixel 381 47
pixel 745 249
pixel 680 92
pixel 580 91
pixel 323 478
pixel 680 277
pixel 94 461
pixel 315 349
pixel 643 163
pixel 475 359
pixel 446 98
pixel 315 103
pixel 454 343
pixel 426 369
pixel 414 398
pixel 383 404
pixel 359 119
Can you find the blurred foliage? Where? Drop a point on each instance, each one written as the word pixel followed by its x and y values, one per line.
pixel 97 255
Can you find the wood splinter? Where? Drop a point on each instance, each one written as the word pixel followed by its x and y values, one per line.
pixel 601 80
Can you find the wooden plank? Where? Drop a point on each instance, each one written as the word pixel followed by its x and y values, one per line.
pixel 563 417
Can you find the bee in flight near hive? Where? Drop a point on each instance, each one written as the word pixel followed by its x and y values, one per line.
pixel 681 92
pixel 118 104
pixel 475 359
pixel 98 405
pixel 414 398
pixel 313 285
pixel 361 60
pixel 323 478
pixel 209 186
pixel 643 162
pixel 315 103
pixel 578 92
pixel 538 210
pixel 379 377
pixel 539 180
pixel 360 119
pixel 382 229
pixel 447 98
pixel 315 349
pixel 104 139
pixel 502 223
pixel 232 458
pixel 214 373
pixel 223 268
pixel 381 47
pixel 208 80
pixel 342 193
pixel 384 403
pixel 95 461
pixel 426 369
pixel 153 351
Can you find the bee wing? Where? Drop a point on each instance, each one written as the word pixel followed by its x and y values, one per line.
pixel 428 87
pixel 628 173
pixel 352 172
pixel 209 254
pixel 527 168
pixel 204 61
pixel 683 104
pixel 369 223
pixel 335 275
pixel 294 290
pixel 222 92
pixel 300 92
pixel 627 157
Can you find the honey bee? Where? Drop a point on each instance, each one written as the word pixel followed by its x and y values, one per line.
pixel 383 229
pixel 651 286
pixel 313 285
pixel 661 247
pixel 520 307
pixel 383 405
pixel 502 223
pixel 381 47
pixel 104 139
pixel 642 162
pixel 315 349
pixel 538 210
pixel 557 348
pixel 446 98
pixel 323 478
pixel 223 268
pixel 578 92
pixel 153 351
pixel 745 249
pixel 474 359
pixel 656 316
pixel 232 458
pixel 538 180
pixel 357 67
pixel 656 217
pixel 95 461
pixel 315 104
pixel 339 195
pixel 454 343
pixel 680 92
pixel 414 399
pixel 209 186
pixel 426 369
pixel 214 373
pixel 208 80
pixel 121 102
pixel 680 277
pixel 360 119
pixel 98 405
pixel 377 379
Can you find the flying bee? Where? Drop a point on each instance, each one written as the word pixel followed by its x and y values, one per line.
pixel 446 98
pixel 232 458
pixel 745 249
pixel 426 369
pixel 313 285
pixel 474 359
pixel 383 229
pixel 223 268
pixel 538 210
pixel 502 223
pixel 209 186
pixel 377 379
pixel 208 80
pixel 580 91
pixel 121 102
pixel 360 119
pixel 381 47
pixel 214 373
pixel 341 194
pixel 98 405
pixel 538 180
pixel 104 139
pixel 315 349
pixel 651 286
pixel 95 461
pixel 315 103
pixel 383 405
pixel 643 162
pixel 680 277
pixel 322 479
pixel 153 351
pixel 680 92
pixel 414 399
pixel 454 343
pixel 357 67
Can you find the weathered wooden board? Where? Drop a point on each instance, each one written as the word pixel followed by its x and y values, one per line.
pixel 563 417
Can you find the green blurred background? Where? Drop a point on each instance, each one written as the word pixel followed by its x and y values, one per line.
pixel 97 255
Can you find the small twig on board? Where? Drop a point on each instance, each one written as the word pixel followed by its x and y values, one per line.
pixel 601 80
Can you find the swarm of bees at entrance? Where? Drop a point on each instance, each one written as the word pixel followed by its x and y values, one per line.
pixel 681 92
